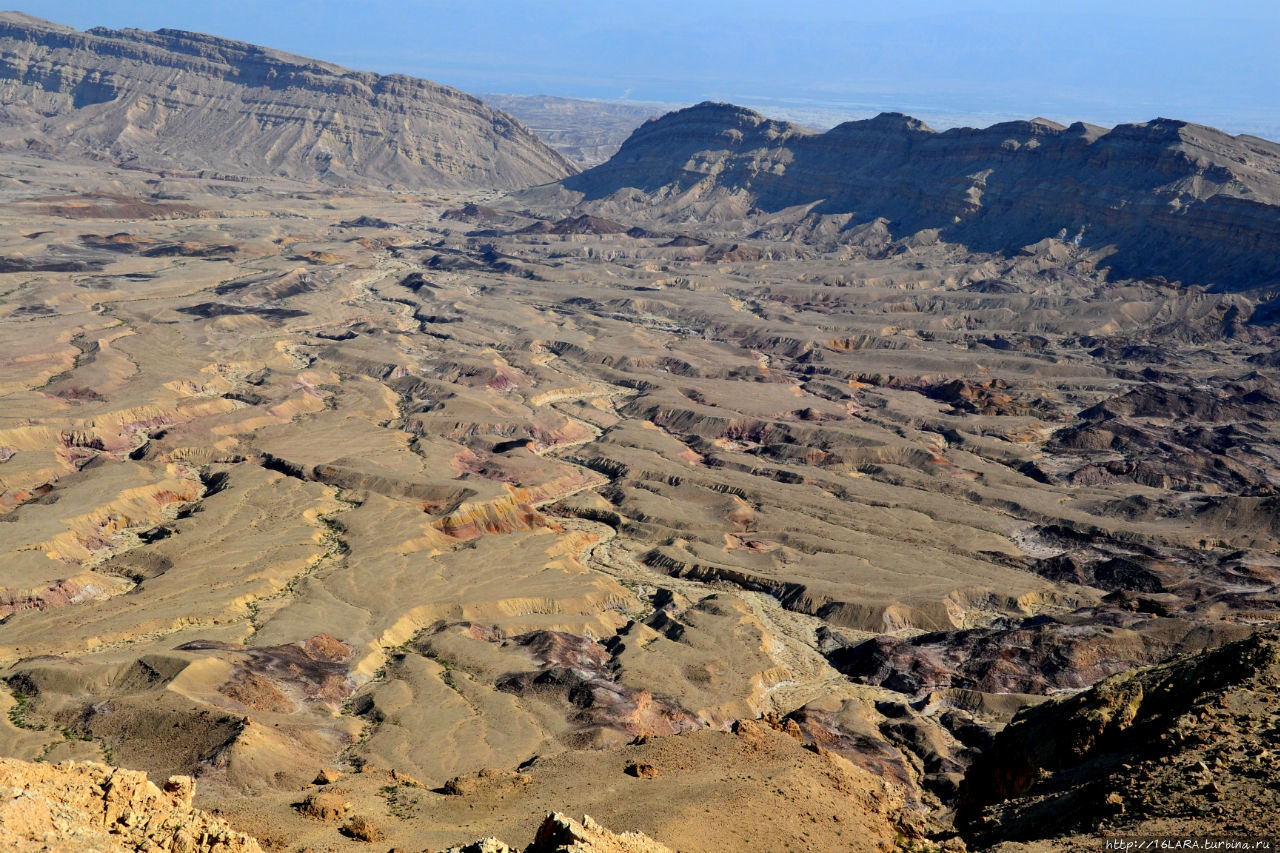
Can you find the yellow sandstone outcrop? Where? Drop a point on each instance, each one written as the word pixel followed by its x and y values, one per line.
pixel 74 807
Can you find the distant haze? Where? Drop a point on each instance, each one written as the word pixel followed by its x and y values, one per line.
pixel 946 62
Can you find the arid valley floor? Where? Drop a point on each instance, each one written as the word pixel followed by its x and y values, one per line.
pixel 305 479
pixel 402 518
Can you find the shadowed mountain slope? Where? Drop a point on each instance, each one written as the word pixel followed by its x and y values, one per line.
pixel 1179 200
pixel 178 100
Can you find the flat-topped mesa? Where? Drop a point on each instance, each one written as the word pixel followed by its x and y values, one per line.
pixel 1164 197
pixel 187 101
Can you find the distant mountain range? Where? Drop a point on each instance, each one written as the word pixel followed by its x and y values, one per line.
pixel 1161 198
pixel 178 100
pixel 1165 197
pixel 586 132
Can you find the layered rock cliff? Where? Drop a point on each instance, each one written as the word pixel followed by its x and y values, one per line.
pixel 185 101
pixel 1169 198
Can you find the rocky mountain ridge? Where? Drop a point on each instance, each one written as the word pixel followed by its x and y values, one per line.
pixel 1164 198
pixel 175 100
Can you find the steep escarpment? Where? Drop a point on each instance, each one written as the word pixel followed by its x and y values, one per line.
pixel 179 100
pixel 1164 197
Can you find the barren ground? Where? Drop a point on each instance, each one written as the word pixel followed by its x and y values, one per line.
pixel 295 479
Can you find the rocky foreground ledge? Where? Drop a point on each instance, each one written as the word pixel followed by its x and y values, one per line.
pixel 1183 748
pixel 79 806
pixel 75 807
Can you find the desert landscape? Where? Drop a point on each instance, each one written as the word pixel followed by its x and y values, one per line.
pixel 371 478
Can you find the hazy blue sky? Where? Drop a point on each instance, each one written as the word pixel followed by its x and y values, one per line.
pixel 1099 60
